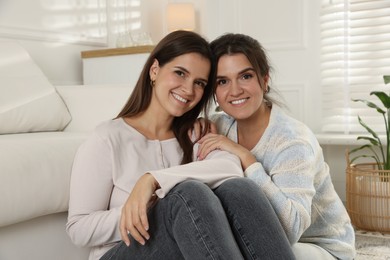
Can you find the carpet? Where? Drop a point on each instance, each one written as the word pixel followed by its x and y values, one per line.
pixel 372 245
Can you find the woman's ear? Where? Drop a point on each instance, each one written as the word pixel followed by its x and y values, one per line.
pixel 266 79
pixel 264 83
pixel 154 69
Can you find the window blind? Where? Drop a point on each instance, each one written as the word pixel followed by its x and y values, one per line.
pixel 355 54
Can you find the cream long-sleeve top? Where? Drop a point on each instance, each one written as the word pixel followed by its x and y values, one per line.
pixel 291 170
pixel 106 168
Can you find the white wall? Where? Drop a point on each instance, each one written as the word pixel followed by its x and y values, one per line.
pixel 56 31
pixel 335 157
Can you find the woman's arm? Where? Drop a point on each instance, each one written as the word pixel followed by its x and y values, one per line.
pixel 216 168
pixel 90 222
pixel 287 179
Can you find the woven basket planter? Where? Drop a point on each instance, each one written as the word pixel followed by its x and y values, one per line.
pixel 368 197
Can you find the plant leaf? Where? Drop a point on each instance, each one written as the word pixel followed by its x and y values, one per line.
pixel 359 148
pixel 386 79
pixel 372 140
pixel 383 97
pixel 368 128
pixel 370 104
pixel 365 156
pixel 373 156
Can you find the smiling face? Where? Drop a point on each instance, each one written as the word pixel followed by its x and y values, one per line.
pixel 179 84
pixel 238 90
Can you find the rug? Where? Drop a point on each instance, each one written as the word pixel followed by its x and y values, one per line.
pixel 372 245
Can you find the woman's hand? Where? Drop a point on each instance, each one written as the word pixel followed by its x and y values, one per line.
pixel 134 220
pixel 211 142
pixel 199 127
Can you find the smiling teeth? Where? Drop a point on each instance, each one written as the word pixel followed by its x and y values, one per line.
pixel 237 102
pixel 179 98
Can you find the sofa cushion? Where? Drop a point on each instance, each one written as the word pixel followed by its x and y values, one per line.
pixel 35 171
pixel 28 102
pixel 89 105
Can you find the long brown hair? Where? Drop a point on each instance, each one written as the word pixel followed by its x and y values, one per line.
pixel 171 46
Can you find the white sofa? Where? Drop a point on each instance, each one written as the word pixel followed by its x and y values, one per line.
pixel 35 172
pixel 41 127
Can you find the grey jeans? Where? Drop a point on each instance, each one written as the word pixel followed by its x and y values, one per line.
pixel 234 221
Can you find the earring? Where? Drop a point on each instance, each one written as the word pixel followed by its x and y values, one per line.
pixel 267 90
pixel 152 83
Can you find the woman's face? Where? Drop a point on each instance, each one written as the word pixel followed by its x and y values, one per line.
pixel 180 83
pixel 238 91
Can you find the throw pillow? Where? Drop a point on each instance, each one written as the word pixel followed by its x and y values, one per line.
pixel 28 101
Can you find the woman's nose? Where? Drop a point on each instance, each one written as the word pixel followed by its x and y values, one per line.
pixel 235 88
pixel 188 88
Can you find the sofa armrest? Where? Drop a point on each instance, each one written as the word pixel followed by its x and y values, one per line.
pixel 91 104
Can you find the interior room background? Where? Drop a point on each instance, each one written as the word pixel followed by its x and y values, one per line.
pixel 55 32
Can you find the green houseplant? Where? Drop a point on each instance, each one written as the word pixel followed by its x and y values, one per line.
pixel 368 184
pixel 382 158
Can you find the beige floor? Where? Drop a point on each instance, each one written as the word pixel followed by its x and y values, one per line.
pixel 372 245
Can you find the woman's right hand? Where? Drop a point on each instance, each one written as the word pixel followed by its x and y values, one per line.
pixel 134 220
pixel 211 142
pixel 195 133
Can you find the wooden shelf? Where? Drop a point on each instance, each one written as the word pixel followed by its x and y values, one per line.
pixel 116 51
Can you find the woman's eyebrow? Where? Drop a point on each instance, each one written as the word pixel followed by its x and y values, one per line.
pixel 182 68
pixel 240 72
pixel 246 70
pixel 187 71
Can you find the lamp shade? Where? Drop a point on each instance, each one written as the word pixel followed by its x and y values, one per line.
pixel 180 16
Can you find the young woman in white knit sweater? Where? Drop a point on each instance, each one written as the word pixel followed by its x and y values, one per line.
pixel 277 152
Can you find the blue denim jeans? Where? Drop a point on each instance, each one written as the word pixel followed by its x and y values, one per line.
pixel 254 223
pixel 234 221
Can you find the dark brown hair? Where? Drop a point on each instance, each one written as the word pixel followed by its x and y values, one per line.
pixel 171 46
